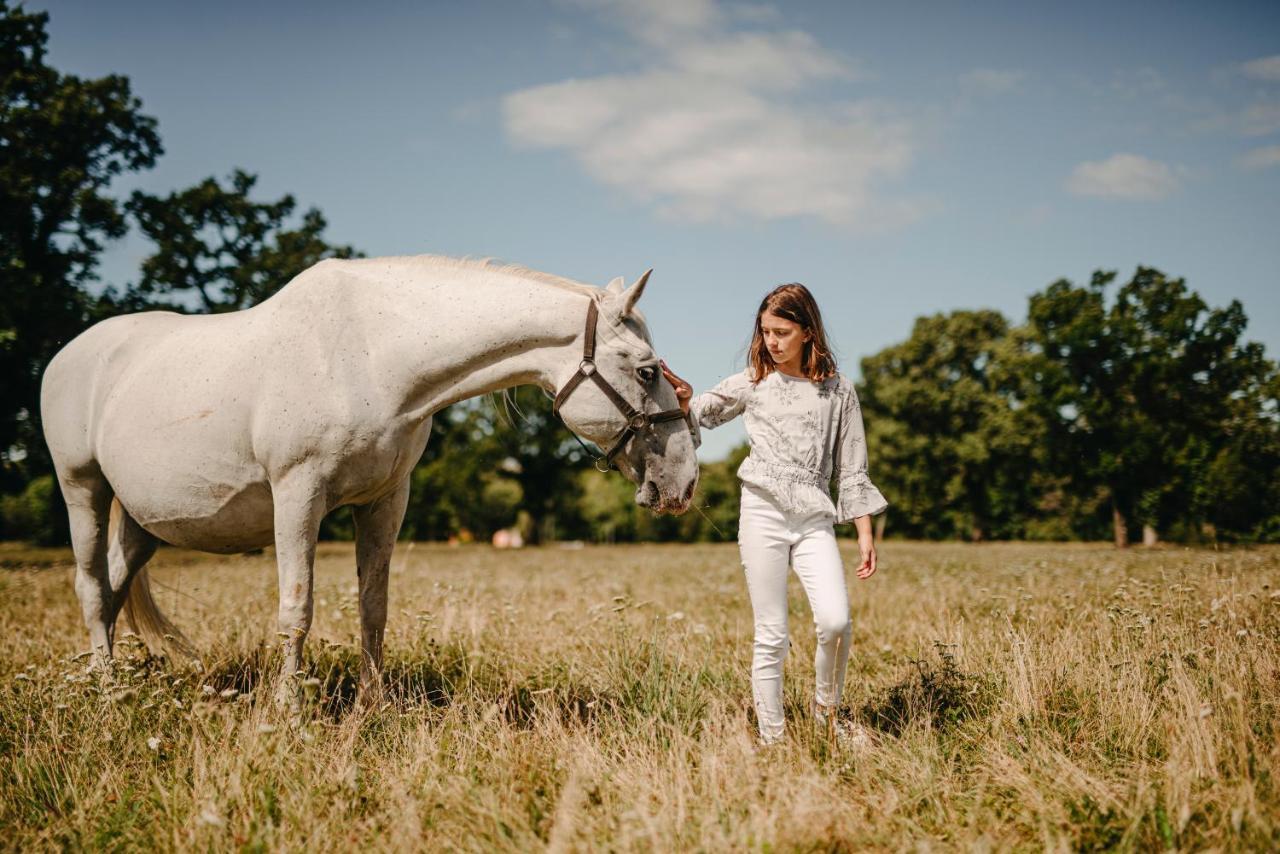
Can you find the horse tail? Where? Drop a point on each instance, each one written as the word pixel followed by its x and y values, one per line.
pixel 155 629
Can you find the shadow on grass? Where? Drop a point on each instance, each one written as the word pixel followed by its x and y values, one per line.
pixel 937 693
pixel 648 686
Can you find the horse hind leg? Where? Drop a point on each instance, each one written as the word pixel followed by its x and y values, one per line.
pixel 88 497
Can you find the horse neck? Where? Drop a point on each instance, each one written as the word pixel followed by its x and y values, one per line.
pixel 472 333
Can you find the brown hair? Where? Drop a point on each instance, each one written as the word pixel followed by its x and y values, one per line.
pixel 793 302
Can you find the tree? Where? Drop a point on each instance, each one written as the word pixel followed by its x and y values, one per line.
pixel 541 454
pixel 715 516
pixel 1138 396
pixel 1232 485
pixel 218 245
pixel 952 444
pixel 451 477
pixel 607 506
pixel 62 142
pixel 488 464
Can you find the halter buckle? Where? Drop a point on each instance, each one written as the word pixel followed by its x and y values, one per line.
pixel 587 366
pixel 639 421
pixel 603 465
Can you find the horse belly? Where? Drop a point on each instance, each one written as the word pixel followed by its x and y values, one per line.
pixel 216 502
pixel 237 522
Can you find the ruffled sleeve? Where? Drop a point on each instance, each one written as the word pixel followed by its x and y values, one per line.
pixel 856 495
pixel 721 404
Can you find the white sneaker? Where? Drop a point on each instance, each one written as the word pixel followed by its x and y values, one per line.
pixel 848 734
pixel 852 736
pixel 764 742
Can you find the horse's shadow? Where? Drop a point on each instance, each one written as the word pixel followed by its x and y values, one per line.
pixel 447 675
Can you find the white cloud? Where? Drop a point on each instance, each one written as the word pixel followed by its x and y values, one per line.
pixel 705 131
pixel 754 13
pixel 1260 118
pixel 1123 176
pixel 1265 68
pixel 1261 158
pixel 764 60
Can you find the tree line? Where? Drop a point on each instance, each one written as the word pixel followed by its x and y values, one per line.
pixel 1125 412
pixel 1129 412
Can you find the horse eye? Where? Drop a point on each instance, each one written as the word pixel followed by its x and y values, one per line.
pixel 648 374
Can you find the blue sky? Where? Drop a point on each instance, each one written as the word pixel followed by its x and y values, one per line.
pixel 900 159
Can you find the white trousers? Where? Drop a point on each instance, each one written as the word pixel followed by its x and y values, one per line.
pixel 771 541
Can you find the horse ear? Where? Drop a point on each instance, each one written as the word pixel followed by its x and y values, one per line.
pixel 615 287
pixel 632 294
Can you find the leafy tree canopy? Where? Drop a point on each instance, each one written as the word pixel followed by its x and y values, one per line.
pixel 1129 390
pixel 219 246
pixel 62 142
pixel 949 443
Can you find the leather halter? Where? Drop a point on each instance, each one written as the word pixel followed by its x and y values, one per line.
pixel 637 420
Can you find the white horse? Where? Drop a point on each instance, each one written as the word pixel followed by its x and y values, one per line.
pixel 230 432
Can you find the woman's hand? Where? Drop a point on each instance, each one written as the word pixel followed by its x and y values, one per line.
pixel 866 545
pixel 684 391
pixel 868 566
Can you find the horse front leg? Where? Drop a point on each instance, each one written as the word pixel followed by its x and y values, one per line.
pixel 299 507
pixel 377 525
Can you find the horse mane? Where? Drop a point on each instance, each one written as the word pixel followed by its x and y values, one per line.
pixel 492 266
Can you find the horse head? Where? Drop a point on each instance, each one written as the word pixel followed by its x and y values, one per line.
pixel 618 398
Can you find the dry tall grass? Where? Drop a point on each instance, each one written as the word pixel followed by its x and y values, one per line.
pixel 1061 697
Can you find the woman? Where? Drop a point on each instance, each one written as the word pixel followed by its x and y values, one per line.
pixel 804 426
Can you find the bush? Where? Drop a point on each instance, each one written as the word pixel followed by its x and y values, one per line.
pixel 37 514
pixel 937 692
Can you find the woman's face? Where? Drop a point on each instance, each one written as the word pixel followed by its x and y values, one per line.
pixel 784 339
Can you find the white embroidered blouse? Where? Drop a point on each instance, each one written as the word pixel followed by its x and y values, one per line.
pixel 801 433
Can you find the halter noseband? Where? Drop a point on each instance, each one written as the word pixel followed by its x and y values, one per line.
pixel 636 419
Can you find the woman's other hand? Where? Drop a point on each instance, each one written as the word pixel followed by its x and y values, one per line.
pixel 868 566
pixel 684 391
pixel 867 546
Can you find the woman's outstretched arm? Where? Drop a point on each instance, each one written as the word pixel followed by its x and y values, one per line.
pixel 712 408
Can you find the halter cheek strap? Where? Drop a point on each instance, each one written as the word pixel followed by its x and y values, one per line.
pixel 637 420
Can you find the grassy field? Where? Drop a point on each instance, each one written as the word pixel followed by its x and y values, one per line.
pixel 1023 697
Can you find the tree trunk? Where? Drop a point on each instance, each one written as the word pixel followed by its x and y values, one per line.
pixel 879 526
pixel 1120 527
pixel 546 529
pixel 1149 536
